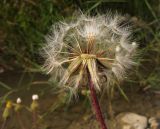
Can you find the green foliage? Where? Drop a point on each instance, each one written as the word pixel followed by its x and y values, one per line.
pixel 24 23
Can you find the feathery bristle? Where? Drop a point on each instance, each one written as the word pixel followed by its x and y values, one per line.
pixel 99 46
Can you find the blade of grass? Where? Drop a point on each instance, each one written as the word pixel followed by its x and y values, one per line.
pixel 150 8
pixel 122 92
pixel 94 6
pixel 5 86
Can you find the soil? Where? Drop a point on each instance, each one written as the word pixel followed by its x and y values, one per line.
pixel 75 115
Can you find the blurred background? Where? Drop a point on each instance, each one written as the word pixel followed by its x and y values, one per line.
pixel 24 23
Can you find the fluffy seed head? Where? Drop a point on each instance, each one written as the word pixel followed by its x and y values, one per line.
pixel 98 46
pixel 19 100
pixel 35 97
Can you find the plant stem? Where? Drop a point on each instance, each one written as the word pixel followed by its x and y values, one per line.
pixel 96 106
pixel 35 120
pixel 19 120
pixel 4 124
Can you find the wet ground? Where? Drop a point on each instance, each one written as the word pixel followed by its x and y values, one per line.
pixel 75 115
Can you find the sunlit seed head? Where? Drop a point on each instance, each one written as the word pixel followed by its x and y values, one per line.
pixel 98 46
pixel 35 97
pixel 19 100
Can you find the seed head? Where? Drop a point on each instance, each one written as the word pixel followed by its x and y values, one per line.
pixel 98 46
pixel 35 97
pixel 19 100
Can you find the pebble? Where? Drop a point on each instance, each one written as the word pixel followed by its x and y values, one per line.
pixel 129 120
pixel 154 123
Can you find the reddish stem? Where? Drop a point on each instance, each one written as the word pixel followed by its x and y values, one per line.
pixel 96 106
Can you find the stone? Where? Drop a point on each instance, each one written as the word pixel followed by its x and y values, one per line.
pixel 129 120
pixel 154 123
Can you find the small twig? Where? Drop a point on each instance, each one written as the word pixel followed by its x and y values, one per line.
pixel 156 92
pixel 146 88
